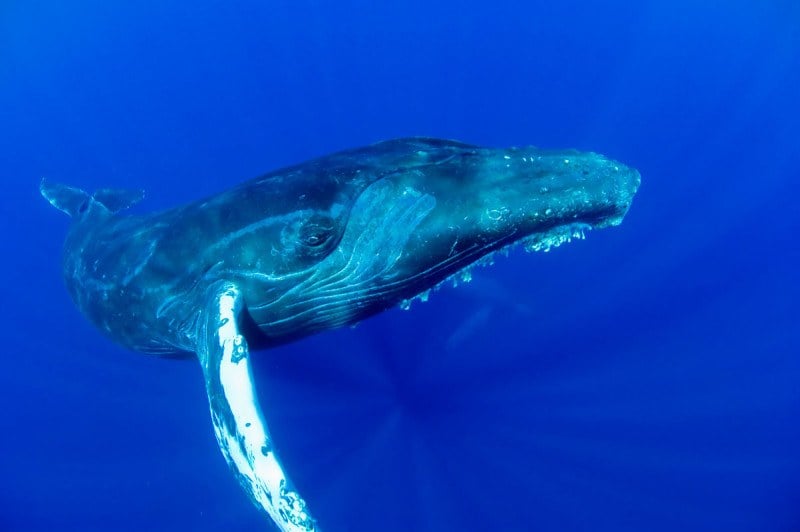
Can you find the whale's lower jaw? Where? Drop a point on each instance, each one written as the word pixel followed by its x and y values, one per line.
pixel 352 304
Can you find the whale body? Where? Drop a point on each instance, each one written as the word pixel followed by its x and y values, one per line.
pixel 312 247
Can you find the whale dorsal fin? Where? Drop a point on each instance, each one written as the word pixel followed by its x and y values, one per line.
pixel 71 200
pixel 74 200
pixel 116 200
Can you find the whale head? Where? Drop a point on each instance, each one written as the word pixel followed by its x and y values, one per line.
pixel 436 209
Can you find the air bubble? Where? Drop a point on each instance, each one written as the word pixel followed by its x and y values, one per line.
pixel 552 239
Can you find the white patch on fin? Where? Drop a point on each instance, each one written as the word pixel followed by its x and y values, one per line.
pixel 235 412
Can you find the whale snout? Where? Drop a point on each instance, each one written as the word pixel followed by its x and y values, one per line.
pixel 525 191
pixel 609 191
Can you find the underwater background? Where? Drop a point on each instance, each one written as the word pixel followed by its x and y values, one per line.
pixel 647 378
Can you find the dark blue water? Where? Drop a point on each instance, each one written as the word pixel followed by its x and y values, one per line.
pixel 645 379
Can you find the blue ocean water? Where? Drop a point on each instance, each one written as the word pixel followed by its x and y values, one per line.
pixel 647 378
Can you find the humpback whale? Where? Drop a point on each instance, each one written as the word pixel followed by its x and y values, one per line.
pixel 311 247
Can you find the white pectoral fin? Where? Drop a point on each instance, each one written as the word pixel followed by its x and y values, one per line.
pixel 235 412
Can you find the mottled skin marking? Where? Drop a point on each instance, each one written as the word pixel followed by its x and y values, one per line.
pixel 318 245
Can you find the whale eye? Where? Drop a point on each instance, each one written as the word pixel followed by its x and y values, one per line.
pixel 316 231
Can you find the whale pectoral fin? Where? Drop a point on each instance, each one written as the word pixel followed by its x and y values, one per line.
pixel 235 412
pixel 116 200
